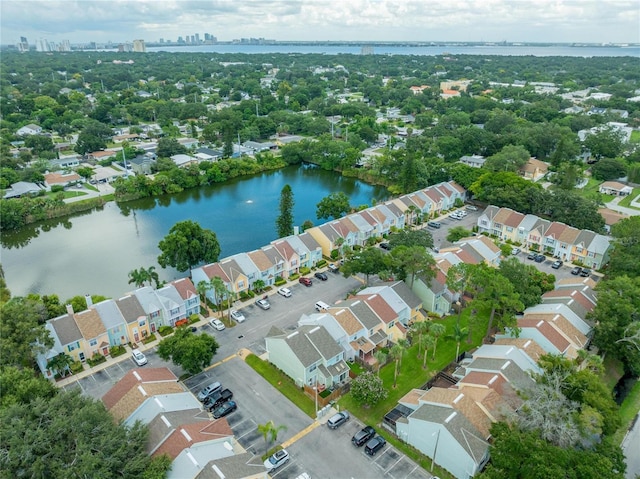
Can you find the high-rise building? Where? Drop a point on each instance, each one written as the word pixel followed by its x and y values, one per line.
pixel 198 38
pixel 23 46
pixel 193 38
pixel 138 46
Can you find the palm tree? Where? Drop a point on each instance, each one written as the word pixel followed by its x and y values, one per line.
pixel 60 363
pixel 404 343
pixel 421 328
pixel 396 353
pixel 258 285
pixel 458 335
pixel 428 341
pixel 219 290
pixel 437 330
pixel 153 276
pixel 138 277
pixel 265 430
pixel 273 433
pixel 202 287
pixel 381 357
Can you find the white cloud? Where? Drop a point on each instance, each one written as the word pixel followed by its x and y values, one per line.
pixel 490 20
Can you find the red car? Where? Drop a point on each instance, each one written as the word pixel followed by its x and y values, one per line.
pixel 306 281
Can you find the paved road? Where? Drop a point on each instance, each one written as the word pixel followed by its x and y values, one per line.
pixel 613 205
pixel 631 449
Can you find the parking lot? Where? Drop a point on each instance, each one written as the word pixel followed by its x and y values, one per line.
pixel 329 454
pixel 284 313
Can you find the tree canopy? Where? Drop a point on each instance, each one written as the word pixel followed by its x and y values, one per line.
pixel 334 206
pixel 193 352
pixel 187 245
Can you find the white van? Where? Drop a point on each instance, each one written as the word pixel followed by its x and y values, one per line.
pixel 321 306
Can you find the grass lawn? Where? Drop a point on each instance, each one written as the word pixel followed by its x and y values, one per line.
pixel 411 375
pixel 591 191
pixel 68 194
pixel 628 411
pixel 635 136
pixel 626 201
pixel 282 383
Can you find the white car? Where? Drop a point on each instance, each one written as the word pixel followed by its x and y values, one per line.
pixel 139 358
pixel 217 324
pixel 472 208
pixel 286 292
pixel 455 216
pixel 462 213
pixel 237 316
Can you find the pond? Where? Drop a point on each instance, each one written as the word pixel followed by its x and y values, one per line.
pixel 93 253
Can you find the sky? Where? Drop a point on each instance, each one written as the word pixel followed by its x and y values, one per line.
pixel 82 21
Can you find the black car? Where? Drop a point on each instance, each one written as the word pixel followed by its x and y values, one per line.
pixel 374 445
pixel 386 246
pixel 577 270
pixel 224 409
pixel 321 276
pixel 217 398
pixel 363 436
pixel 556 264
pixel 585 272
pixel 539 258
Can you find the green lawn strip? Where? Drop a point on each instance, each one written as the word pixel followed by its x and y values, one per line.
pixel 635 136
pixel 613 371
pixel 628 410
pixel 626 201
pixel 68 194
pixel 411 375
pixel 282 383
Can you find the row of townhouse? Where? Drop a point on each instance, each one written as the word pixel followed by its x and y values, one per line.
pixel 315 353
pixel 436 297
pixel 114 322
pixel 199 447
pixel 557 239
pixel 285 256
pixel 450 422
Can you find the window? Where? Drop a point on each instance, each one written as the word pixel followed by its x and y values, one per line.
pixel 550 241
pixel 142 322
pixel 71 347
pixel 81 356
pixel 93 342
pixel 509 229
pixel 483 222
pixel 241 284
pixel 563 246
pixel 578 249
pixel 155 314
pixel 312 368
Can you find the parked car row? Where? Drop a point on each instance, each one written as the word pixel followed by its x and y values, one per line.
pixel 217 400
pixel 458 214
pixel 584 272
pixel 366 437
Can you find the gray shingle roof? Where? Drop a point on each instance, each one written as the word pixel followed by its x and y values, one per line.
pixel 66 329
pixel 130 308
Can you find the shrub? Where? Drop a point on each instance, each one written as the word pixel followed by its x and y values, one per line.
pixel 149 339
pixel 165 330
pixel 57 188
pixel 76 367
pixel 294 276
pixel 117 350
pixel 194 318
pixel 304 270
pixel 279 282
pixel 96 359
pixel 321 263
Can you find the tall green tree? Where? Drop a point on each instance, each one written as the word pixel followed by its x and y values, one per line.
pixel 93 137
pixel 187 245
pixel 410 262
pixel 22 331
pixel 510 158
pixel 626 248
pixel 615 315
pixel 334 206
pixel 411 237
pixel 368 261
pixel 284 222
pixel 69 435
pixel 528 281
pixel 192 352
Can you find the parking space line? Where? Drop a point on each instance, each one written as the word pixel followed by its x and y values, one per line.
pixel 395 463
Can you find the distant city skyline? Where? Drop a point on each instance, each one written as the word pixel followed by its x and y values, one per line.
pixel 118 21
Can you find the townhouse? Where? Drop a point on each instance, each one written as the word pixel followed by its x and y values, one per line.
pixel 109 323
pixel 551 237
pixel 308 355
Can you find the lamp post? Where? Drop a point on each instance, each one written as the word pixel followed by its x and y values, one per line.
pixel 435 449
pixel 315 393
